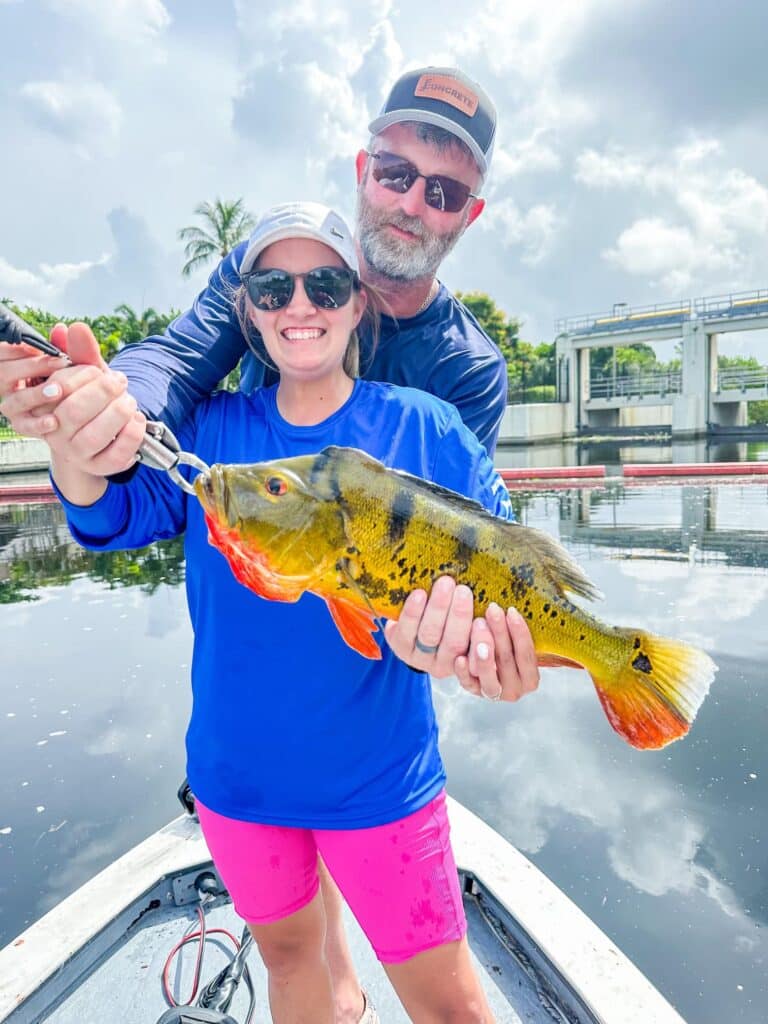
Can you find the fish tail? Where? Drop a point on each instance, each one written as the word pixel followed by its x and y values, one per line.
pixel 654 698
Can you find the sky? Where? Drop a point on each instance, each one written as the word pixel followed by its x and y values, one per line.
pixel 631 162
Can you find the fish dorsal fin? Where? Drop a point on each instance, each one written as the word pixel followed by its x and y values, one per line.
pixel 354 457
pixel 560 570
pixel 356 625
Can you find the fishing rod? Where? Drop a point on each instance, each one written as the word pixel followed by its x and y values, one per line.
pixel 159 449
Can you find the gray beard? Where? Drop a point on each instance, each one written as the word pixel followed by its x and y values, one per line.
pixel 394 258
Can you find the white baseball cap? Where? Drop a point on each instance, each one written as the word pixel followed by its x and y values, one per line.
pixel 301 220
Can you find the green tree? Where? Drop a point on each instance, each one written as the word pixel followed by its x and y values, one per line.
pixel 226 224
pixel 530 368
pixel 136 327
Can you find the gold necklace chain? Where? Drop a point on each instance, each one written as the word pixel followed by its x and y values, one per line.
pixel 429 297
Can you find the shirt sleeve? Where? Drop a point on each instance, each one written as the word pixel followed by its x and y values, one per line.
pixel 148 508
pixel 169 374
pixel 480 395
pixel 463 465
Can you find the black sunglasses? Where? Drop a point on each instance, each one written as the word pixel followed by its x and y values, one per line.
pixel 326 287
pixel 398 175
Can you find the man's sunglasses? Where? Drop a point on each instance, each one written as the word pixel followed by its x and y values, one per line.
pixel 398 175
pixel 326 287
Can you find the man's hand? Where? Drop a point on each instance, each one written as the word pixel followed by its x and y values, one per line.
pixel 492 656
pixel 83 412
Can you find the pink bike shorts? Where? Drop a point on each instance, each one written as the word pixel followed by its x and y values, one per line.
pixel 399 879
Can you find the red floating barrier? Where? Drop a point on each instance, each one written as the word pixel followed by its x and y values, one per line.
pixel 696 469
pixel 553 473
pixel 26 492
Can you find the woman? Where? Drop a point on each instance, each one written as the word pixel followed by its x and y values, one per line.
pixel 297 746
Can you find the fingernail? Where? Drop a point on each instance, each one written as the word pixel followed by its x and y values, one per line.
pixel 51 390
pixel 483 651
pixel 48 424
pixel 513 613
pixel 493 611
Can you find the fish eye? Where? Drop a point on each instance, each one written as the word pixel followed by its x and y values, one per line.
pixel 276 485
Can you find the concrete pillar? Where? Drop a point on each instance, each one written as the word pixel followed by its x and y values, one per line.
pixel 691 409
pixel 568 382
pixel 582 416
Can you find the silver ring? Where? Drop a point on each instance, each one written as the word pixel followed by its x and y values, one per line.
pixel 425 648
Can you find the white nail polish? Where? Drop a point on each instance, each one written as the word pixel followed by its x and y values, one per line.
pixel 51 390
pixel 483 652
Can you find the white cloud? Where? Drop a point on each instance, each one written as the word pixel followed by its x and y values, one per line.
pixel 133 21
pixel 670 253
pixel 531 231
pixel 30 288
pixel 719 213
pixel 83 113
pixel 526 157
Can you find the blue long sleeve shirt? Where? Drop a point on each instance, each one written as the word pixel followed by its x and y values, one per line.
pixel 442 350
pixel 289 725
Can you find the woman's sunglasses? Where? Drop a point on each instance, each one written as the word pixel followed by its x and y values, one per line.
pixel 326 287
pixel 398 175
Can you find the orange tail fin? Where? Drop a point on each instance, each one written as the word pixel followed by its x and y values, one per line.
pixel 657 695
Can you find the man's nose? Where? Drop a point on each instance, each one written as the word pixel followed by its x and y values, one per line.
pixel 412 202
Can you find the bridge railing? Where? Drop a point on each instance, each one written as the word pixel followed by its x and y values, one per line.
pixel 636 385
pixel 742 379
pixel 627 318
pixel 736 304
pixel 637 318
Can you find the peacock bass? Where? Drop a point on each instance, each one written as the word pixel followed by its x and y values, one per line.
pixel 341 525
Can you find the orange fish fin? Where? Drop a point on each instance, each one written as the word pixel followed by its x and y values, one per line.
pixel 555 661
pixel 655 698
pixel 356 625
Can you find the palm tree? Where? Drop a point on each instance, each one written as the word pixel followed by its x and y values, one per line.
pixel 227 223
pixel 136 327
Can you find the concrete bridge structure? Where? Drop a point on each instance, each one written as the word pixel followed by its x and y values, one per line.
pixel 690 402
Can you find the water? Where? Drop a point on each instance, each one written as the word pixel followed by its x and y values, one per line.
pixel 666 850
pixel 614 451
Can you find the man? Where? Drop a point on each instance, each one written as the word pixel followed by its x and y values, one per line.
pixel 418 191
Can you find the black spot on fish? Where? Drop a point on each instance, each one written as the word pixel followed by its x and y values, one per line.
pixel 371 586
pixel 321 469
pixel 581 637
pixel 400 515
pixel 562 622
pixel 643 664
pixel 424 573
pixel 466 544
pixel 397 595
pixel 546 607
pixel 352 551
pixel 637 643
pixel 553 613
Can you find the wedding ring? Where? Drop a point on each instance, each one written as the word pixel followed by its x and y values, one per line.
pixel 425 648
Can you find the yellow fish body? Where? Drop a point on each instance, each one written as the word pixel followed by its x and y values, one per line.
pixel 340 525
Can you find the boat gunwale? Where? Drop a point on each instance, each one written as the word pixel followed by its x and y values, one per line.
pixel 38 967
